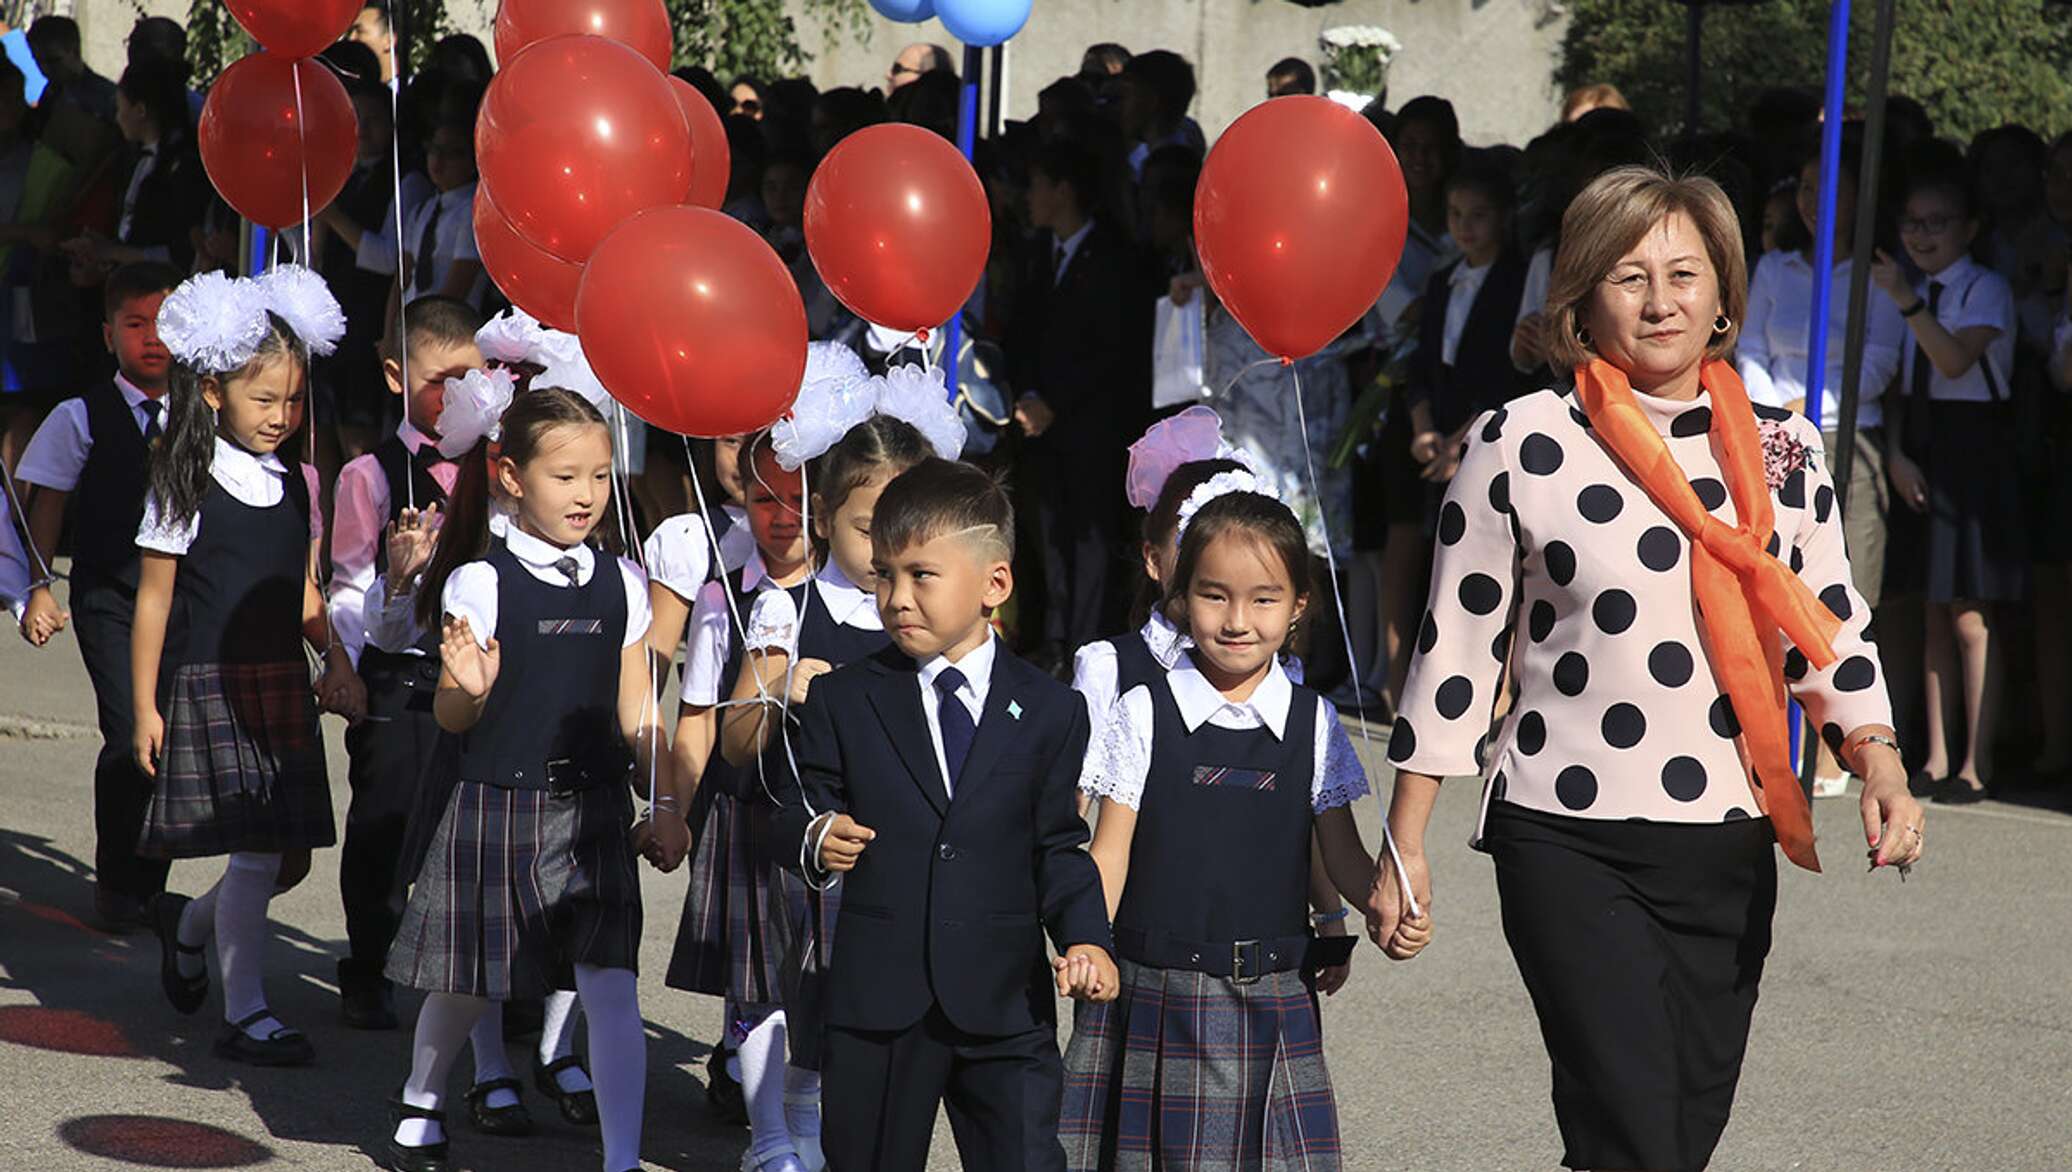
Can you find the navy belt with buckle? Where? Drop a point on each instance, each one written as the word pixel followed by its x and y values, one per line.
pixel 1242 961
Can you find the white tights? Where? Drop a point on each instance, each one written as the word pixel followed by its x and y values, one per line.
pixel 234 913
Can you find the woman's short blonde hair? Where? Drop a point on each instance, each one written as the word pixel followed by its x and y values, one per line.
pixel 1612 215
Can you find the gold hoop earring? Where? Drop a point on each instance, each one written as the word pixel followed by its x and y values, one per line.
pixel 1722 324
pixel 1583 336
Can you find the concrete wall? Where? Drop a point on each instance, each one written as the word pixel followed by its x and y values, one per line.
pixel 1493 58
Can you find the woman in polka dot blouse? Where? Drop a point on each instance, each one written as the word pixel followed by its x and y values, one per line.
pixel 1660 563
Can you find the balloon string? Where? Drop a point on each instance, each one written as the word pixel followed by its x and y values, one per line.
pixel 402 290
pixel 1247 369
pixel 1352 663
pixel 621 490
pixel 302 142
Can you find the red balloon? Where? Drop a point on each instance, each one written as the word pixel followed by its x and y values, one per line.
pixel 712 159
pixel 1300 217
pixel 296 28
pixel 642 25
pixel 576 134
pixel 537 282
pixel 898 226
pixel 255 147
pixel 691 321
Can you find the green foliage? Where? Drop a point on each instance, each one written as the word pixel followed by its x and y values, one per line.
pixel 1974 64
pixel 214 40
pixel 734 37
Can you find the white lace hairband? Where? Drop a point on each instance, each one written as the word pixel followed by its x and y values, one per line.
pixel 215 324
pixel 1221 484
pixel 838 394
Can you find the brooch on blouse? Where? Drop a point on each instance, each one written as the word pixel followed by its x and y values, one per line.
pixel 1783 454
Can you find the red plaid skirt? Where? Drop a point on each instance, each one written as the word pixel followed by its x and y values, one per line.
pixel 243 765
pixel 1190 1073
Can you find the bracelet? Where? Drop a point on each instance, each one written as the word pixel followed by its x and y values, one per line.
pixel 1914 309
pixel 1880 739
pixel 1319 919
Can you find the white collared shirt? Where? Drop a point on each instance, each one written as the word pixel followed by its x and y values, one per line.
pixel 1097 671
pixel 56 455
pixel 147 162
pixel 774 620
pixel 1466 282
pixel 254 479
pixel 1774 354
pixel 679 551
pixel 453 240
pixel 1121 763
pixel 471 593
pixel 710 640
pixel 1972 295
pixel 1070 245
pixel 14 564
pixel 977 667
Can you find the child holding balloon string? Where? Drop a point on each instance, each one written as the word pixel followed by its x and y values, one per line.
pixel 854 435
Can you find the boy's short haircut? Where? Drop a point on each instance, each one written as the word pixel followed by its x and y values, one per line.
pixel 1487 179
pixel 433 320
pixel 938 497
pixel 132 281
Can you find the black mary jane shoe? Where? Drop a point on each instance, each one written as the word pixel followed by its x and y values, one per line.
pixel 578 1107
pixel 186 993
pixel 722 1093
pixel 510 1121
pixel 285 1046
pixel 398 1157
pixel 1956 791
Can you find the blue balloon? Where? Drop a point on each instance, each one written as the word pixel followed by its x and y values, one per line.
pixel 907 11
pixel 983 22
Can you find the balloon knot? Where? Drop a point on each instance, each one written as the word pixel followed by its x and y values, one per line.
pixel 1287 361
pixel 921 336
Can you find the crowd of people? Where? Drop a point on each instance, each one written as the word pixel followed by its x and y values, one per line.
pixel 423 487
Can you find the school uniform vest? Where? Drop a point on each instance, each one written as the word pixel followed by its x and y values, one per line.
pixel 552 718
pixel 1219 867
pixel 720 777
pixel 821 637
pixel 1481 376
pixel 107 504
pixel 238 595
pixel 1135 666
pixel 404 474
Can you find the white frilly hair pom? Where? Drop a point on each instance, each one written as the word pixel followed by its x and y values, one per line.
pixel 213 324
pixel 836 394
pixel 922 398
pixel 302 299
pixel 1221 484
pixel 562 364
pixel 475 406
pixel 509 336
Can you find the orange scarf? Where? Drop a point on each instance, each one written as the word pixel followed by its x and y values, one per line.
pixel 1745 596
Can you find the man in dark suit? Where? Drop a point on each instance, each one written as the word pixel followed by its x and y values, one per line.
pixel 1080 347
pixel 937 779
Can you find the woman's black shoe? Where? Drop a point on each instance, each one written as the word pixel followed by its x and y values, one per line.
pixel 186 993
pixel 722 1093
pixel 285 1046
pixel 424 1158
pixel 1956 791
pixel 578 1107
pixel 511 1120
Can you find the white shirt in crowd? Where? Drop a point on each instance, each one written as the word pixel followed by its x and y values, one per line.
pixel 679 551
pixel 57 453
pixel 774 620
pixel 14 562
pixel 1467 285
pixel 254 479
pixel 471 593
pixel 1118 768
pixel 1774 356
pixel 710 639
pixel 453 240
pixel 1972 295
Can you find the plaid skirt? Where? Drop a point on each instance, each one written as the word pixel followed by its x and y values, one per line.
pixel 243 764
pixel 805 949
pixel 730 942
pixel 1186 1072
pixel 519 887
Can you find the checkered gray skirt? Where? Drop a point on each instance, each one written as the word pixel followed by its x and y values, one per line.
pixel 730 942
pixel 1186 1072
pixel 243 764
pixel 520 886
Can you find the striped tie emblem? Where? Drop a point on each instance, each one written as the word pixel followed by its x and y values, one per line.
pixel 1223 775
pixel 571 626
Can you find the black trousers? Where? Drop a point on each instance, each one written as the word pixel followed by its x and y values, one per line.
pixel 1079 524
pixel 880 1090
pixel 102 608
pixel 385 755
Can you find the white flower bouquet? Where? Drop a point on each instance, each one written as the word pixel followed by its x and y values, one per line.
pixel 1356 57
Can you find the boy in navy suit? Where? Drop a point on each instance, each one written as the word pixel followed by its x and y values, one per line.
pixel 936 779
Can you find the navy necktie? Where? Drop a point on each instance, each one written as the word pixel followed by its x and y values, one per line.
pixel 570 568
pixel 427 244
pixel 155 410
pixel 1924 368
pixel 955 721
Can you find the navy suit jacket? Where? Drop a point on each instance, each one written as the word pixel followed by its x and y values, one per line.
pixel 949 904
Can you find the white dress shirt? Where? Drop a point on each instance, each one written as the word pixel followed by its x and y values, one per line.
pixel 57 453
pixel 710 639
pixel 471 593
pixel 679 551
pixel 1121 765
pixel 14 563
pixel 1972 295
pixel 1776 335
pixel 254 479
pixel 977 666
pixel 453 240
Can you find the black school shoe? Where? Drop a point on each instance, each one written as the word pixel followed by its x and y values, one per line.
pixel 513 1120
pixel 578 1107
pixel 722 1093
pixel 283 1047
pixel 186 993
pixel 425 1158
pixel 365 1001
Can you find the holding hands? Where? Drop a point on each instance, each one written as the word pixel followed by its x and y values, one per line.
pixel 663 838
pixel 43 617
pixel 1389 925
pixel 1087 973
